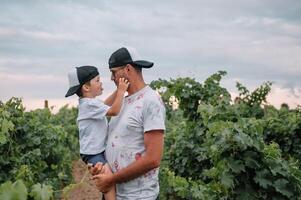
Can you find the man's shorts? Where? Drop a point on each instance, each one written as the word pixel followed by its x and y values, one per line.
pixel 94 158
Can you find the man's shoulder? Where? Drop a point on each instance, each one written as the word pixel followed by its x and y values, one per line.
pixel 152 96
pixel 151 93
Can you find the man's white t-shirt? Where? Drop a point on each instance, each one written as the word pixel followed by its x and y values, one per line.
pixel 92 125
pixel 140 112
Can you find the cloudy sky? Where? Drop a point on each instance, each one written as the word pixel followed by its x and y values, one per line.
pixel 253 40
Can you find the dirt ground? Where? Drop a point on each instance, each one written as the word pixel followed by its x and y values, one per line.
pixel 85 191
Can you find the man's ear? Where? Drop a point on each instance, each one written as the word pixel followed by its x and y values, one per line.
pixel 128 67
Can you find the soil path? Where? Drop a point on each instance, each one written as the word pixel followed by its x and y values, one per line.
pixel 86 191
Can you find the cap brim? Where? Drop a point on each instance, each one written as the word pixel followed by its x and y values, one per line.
pixel 143 63
pixel 72 90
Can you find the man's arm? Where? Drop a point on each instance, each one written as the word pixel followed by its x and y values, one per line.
pixel 154 142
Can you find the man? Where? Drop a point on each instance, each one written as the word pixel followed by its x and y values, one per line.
pixel 136 136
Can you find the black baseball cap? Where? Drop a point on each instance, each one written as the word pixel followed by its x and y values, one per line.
pixel 128 55
pixel 79 76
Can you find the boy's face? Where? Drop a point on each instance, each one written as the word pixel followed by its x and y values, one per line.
pixel 95 87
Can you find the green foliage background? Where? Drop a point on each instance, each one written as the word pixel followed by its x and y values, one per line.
pixel 37 147
pixel 219 149
pixel 214 148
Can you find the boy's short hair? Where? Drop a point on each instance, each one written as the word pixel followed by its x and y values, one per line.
pixel 79 92
pixel 78 77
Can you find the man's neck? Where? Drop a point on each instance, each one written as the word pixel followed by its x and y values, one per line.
pixel 135 87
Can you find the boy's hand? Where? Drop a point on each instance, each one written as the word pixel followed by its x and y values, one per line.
pixel 96 169
pixel 123 84
pixel 90 165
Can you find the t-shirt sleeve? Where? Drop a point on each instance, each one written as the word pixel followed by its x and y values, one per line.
pixel 96 109
pixel 154 115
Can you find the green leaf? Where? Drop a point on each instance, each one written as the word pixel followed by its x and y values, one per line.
pixel 251 160
pixel 244 139
pixel 41 192
pixel 3 138
pixel 227 180
pixel 5 127
pixel 15 191
pixel 261 179
pixel 236 165
pixel 281 186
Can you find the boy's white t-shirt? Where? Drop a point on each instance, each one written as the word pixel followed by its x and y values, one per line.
pixel 140 112
pixel 92 125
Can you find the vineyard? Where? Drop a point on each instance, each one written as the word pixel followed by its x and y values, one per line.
pixel 215 148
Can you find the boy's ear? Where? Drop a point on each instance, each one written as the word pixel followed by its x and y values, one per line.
pixel 85 87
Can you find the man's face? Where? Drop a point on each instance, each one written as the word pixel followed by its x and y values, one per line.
pixel 118 72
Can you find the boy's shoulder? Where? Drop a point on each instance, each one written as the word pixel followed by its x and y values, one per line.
pixel 87 102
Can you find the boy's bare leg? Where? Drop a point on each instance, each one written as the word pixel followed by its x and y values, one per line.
pixel 111 194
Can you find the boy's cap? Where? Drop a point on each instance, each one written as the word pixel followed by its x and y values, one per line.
pixel 128 55
pixel 79 76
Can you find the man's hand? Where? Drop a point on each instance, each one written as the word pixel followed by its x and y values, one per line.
pixel 123 84
pixel 103 180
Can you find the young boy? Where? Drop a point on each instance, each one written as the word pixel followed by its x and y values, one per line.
pixel 92 123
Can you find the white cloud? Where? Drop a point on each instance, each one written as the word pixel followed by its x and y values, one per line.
pixel 34 86
pixel 50 37
pixel 253 40
pixel 280 95
pixel 4 32
pixel 28 79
